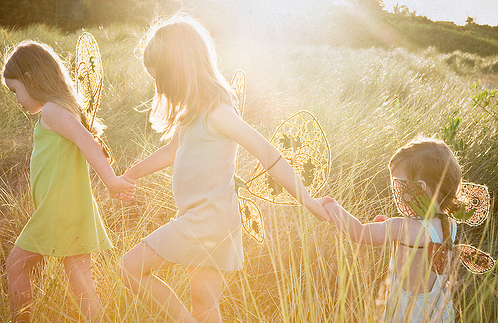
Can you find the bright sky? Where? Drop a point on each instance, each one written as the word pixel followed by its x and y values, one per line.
pixel 484 12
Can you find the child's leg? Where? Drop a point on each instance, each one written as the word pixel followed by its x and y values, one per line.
pixel 78 269
pixel 18 266
pixel 206 285
pixel 136 270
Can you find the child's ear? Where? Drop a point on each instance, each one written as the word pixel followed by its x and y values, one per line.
pixel 422 184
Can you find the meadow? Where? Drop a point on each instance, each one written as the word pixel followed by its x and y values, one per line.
pixel 369 102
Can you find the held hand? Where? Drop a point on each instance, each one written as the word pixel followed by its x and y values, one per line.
pixel 316 208
pixel 380 218
pixel 324 200
pixel 331 207
pixel 122 196
pixel 122 188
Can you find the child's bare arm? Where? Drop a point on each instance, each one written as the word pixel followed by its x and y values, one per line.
pixel 161 158
pixel 225 120
pixel 375 233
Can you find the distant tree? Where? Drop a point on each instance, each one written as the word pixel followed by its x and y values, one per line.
pixel 470 21
pixel 25 12
pixel 403 10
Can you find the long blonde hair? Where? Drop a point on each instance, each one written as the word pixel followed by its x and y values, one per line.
pixel 46 79
pixel 180 56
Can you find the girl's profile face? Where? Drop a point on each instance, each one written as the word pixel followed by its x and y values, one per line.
pixel 28 104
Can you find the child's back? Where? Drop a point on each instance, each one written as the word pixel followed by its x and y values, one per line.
pixel 415 289
pixel 202 234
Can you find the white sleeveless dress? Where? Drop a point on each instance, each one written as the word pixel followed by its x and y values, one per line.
pixel 207 229
pixel 427 306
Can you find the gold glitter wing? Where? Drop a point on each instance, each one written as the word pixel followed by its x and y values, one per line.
pixel 413 202
pixel 238 84
pixel 475 260
pixel 252 221
pixel 411 199
pixel 476 204
pixel 89 80
pixel 302 142
pixel 89 73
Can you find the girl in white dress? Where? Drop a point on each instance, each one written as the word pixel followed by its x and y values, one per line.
pixel 195 107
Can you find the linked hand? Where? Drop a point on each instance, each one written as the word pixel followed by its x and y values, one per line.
pixel 324 200
pixel 331 207
pixel 123 189
pixel 380 218
pixel 318 211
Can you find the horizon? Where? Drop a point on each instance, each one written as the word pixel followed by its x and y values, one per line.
pixel 484 12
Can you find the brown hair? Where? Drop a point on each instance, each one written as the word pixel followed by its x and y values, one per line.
pixel 181 55
pixel 46 79
pixel 432 161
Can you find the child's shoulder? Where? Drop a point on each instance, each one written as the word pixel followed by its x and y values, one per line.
pixel 222 115
pixel 50 113
pixel 413 228
pixel 52 107
pixel 397 227
pixel 222 110
pixel 53 114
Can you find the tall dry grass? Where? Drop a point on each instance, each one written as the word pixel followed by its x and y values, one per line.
pixel 369 102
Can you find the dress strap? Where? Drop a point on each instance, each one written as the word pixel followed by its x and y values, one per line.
pixel 433 233
pixel 453 229
pixel 409 246
pixel 431 230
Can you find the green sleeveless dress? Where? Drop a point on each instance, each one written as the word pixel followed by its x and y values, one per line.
pixel 66 221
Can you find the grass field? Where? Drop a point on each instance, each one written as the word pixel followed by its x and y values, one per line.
pixel 369 103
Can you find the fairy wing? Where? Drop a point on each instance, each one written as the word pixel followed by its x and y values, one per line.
pixel 302 142
pixel 411 199
pixel 238 84
pixel 475 260
pixel 252 220
pixel 89 73
pixel 89 80
pixel 476 201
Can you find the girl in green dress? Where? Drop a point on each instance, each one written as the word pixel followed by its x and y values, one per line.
pixel 66 221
